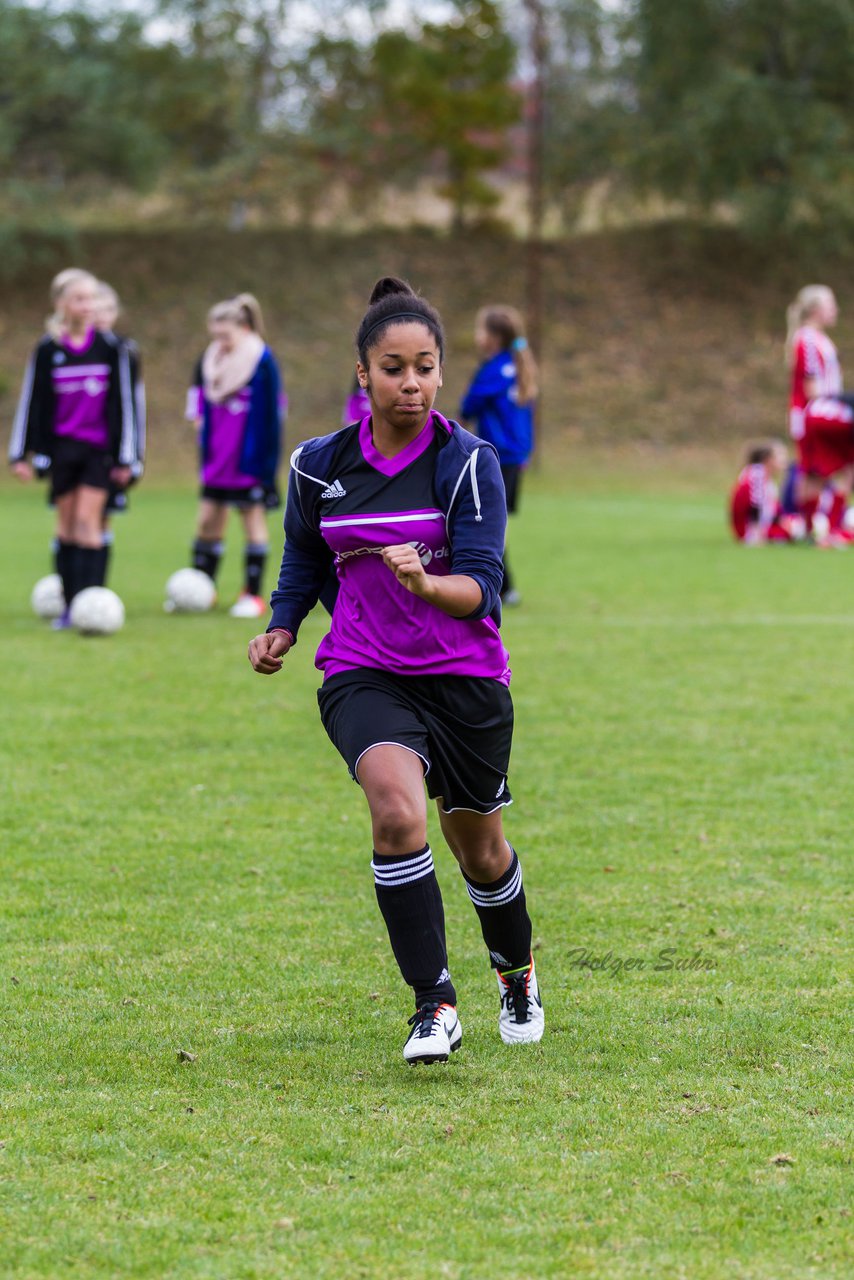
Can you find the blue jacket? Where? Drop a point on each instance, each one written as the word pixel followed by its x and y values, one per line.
pixel 469 489
pixel 262 438
pixel 491 401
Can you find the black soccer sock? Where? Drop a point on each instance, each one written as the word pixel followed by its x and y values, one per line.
pixel 411 903
pixel 65 565
pixel 104 553
pixel 256 557
pixel 88 566
pixel 207 553
pixel 503 914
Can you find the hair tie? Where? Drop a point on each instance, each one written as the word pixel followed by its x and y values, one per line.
pixel 518 344
pixel 398 315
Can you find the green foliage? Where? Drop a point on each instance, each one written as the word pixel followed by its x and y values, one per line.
pixel 588 97
pixel 439 98
pixel 744 107
pixel 749 102
pixel 84 96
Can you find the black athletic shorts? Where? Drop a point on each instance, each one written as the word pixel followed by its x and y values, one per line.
pixel 511 474
pixel 74 463
pixel 266 495
pixel 460 726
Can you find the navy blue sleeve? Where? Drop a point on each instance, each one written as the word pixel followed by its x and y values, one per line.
pixel 32 428
pixel 477 527
pixel 273 419
pixel 306 565
pixel 118 409
pixel 486 384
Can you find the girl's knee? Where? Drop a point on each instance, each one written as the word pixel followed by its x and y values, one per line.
pixel 399 823
pixel 483 859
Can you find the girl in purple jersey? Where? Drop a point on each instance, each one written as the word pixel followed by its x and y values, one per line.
pixel 409 509
pixel 75 418
pixel 237 404
pixel 356 405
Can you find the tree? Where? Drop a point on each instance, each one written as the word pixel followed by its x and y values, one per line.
pixel 81 98
pixel 439 98
pixel 750 102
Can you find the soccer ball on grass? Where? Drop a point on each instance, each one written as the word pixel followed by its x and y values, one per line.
pixel 189 591
pixel 97 611
pixel 47 598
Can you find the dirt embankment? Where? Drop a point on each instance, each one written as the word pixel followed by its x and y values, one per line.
pixel 665 336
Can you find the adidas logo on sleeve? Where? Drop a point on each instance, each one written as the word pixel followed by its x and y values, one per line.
pixel 334 490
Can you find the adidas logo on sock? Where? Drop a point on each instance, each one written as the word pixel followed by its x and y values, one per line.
pixel 444 976
pixel 334 490
pixel 499 958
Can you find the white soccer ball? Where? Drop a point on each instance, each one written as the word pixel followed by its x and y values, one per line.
pixel 820 525
pixel 47 597
pixel 189 591
pixel 97 611
pixel 796 527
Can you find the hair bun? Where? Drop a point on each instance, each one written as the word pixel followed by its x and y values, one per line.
pixel 388 286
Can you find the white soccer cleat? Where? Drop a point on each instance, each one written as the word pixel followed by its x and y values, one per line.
pixel 436 1033
pixel 249 607
pixel 521 1019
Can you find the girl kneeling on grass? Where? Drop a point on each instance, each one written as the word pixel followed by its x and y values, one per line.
pixel 754 508
pixel 75 417
pixel 410 510
pixel 237 404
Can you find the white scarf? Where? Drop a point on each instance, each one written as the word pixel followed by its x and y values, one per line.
pixel 225 372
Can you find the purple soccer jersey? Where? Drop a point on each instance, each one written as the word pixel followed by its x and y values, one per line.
pixel 227 427
pixel 356 406
pixel 81 387
pixel 374 502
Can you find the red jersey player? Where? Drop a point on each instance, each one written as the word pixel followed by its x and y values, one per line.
pixel 754 510
pixel 821 420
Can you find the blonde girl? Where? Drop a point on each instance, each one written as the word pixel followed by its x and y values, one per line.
pixel 237 404
pixel 75 421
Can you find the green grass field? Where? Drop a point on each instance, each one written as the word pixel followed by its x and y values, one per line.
pixel 185 868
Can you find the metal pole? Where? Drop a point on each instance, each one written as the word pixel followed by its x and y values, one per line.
pixel 536 196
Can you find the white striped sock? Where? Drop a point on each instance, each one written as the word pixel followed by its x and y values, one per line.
pixel 484 895
pixel 391 875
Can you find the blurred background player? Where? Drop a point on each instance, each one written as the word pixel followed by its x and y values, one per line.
pixel 75 417
pixel 755 512
pixel 821 422
pixel 500 402
pixel 107 312
pixel 357 405
pixel 237 404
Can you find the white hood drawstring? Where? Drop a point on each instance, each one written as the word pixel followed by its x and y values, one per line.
pixel 294 456
pixel 471 467
pixel 475 492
